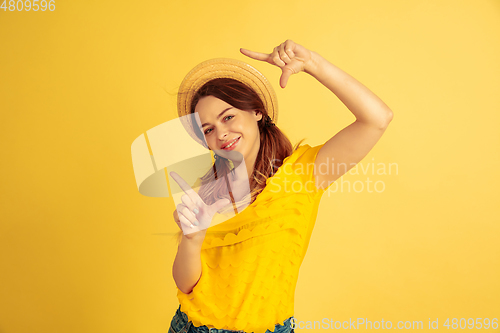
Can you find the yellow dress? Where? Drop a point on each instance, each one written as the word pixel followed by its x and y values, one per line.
pixel 250 263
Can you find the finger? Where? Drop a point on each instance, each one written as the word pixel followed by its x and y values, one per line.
pixel 289 46
pixel 255 55
pixel 185 222
pixel 283 55
pixel 186 200
pixel 219 204
pixel 176 219
pixel 186 188
pixel 187 214
pixel 182 183
pixel 287 72
pixel 276 58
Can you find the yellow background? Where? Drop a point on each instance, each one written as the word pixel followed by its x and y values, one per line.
pixel 81 250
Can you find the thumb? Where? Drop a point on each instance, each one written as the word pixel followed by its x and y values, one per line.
pixel 287 72
pixel 220 204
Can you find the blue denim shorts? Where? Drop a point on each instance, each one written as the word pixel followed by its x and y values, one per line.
pixel 181 324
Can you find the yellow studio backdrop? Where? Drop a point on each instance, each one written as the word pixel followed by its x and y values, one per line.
pixel 81 250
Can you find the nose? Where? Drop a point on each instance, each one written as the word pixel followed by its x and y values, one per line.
pixel 222 133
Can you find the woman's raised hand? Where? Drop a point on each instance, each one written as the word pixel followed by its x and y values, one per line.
pixel 193 214
pixel 289 56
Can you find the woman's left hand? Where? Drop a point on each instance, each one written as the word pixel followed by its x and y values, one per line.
pixel 291 57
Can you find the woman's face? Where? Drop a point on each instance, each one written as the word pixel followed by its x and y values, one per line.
pixel 222 123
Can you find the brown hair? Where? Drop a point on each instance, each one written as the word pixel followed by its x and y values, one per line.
pixel 274 144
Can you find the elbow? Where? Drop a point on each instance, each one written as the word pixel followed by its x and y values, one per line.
pixel 381 122
pixel 186 291
pixel 390 116
pixel 183 288
pixel 388 119
pixel 183 285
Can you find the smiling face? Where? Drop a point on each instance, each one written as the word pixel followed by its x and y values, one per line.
pixel 222 123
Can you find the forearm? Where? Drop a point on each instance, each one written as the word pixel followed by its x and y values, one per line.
pixel 363 103
pixel 187 264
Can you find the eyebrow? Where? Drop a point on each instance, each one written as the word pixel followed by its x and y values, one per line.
pixel 220 115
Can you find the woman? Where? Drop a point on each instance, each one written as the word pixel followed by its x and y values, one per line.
pixel 240 275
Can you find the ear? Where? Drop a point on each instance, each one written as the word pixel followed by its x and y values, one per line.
pixel 258 115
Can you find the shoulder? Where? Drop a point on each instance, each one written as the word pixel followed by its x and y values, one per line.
pixel 303 154
pixel 295 175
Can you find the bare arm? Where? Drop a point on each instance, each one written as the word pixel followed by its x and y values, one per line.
pixel 349 146
pixel 352 144
pixel 367 107
pixel 193 212
pixel 187 264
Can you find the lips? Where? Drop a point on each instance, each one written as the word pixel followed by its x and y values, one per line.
pixel 230 142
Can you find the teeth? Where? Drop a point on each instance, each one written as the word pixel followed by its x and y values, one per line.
pixel 229 145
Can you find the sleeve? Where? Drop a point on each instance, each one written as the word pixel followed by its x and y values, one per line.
pixel 301 171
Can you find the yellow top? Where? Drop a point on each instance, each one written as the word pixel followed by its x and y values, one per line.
pixel 250 263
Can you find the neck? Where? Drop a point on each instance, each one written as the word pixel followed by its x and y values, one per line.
pixel 243 170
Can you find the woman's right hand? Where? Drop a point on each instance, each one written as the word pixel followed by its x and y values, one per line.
pixel 193 214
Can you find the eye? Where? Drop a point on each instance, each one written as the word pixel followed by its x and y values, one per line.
pixel 210 130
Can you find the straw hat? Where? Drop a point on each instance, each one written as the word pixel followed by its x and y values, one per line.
pixel 223 68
